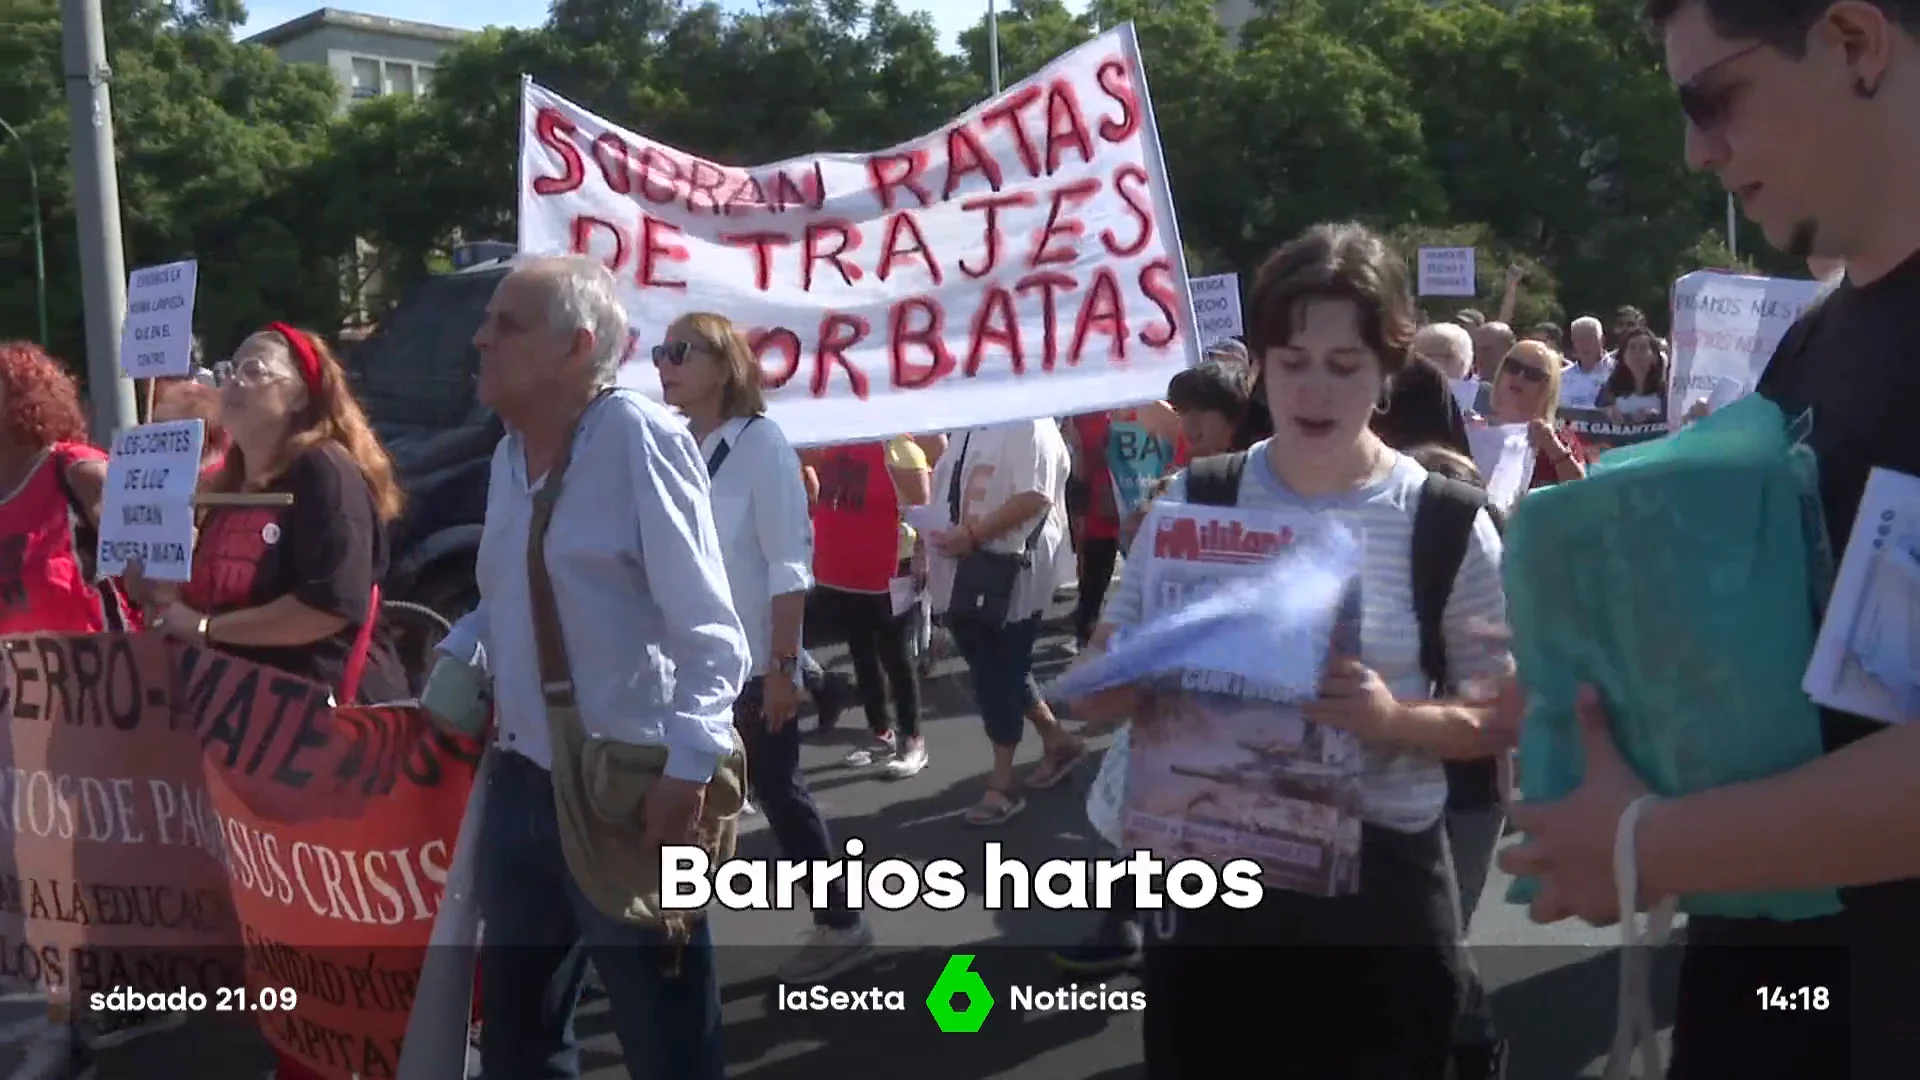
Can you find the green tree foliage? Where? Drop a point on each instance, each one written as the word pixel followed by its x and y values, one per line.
pixel 209 133
pixel 1541 132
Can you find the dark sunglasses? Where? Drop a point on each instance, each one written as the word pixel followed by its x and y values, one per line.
pixel 673 352
pixel 1525 370
pixel 1706 106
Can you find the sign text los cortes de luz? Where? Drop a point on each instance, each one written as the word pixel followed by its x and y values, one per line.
pixel 186 820
pixel 1021 262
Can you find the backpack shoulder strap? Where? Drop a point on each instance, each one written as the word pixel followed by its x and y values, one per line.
pixel 1442 529
pixel 1215 480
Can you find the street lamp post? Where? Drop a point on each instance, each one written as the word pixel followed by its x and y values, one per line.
pixel 39 240
pixel 993 45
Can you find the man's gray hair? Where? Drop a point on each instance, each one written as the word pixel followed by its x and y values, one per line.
pixel 1454 339
pixel 1590 324
pixel 582 295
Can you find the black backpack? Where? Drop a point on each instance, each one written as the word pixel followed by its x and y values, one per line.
pixel 1442 529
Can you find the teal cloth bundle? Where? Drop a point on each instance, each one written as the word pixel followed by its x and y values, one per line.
pixel 1683 578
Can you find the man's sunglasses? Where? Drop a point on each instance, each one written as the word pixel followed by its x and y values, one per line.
pixel 1706 106
pixel 673 352
pixel 1532 374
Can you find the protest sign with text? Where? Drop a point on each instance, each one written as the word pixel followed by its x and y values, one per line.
pixel 1446 271
pixel 1021 262
pixel 1725 328
pixel 146 512
pixel 1600 430
pixel 187 820
pixel 156 340
pixel 1216 307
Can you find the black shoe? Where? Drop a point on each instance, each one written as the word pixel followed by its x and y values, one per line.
pixel 834 696
pixel 1115 948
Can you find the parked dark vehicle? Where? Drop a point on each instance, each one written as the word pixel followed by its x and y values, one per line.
pixel 415 378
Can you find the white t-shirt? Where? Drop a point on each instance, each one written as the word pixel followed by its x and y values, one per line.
pixel 998 462
pixel 1579 388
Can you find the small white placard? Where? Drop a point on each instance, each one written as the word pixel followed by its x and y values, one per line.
pixel 1216 307
pixel 1446 271
pixel 156 341
pixel 147 510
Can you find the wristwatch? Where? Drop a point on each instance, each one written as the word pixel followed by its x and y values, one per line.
pixel 788 665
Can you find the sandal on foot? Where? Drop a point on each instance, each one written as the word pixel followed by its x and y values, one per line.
pixel 1056 766
pixel 994 808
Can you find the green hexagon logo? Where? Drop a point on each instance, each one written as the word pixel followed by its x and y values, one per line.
pixel 958 979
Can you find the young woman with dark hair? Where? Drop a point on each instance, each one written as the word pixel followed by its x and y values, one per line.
pixel 1365 984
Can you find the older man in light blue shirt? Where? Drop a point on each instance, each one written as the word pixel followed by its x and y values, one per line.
pixel 657 656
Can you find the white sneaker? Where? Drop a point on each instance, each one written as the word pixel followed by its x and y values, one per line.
pixel 909 762
pixel 827 953
pixel 881 749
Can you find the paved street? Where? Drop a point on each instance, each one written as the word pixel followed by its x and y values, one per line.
pixel 1553 987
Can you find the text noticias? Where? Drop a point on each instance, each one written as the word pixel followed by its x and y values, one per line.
pixel 690 881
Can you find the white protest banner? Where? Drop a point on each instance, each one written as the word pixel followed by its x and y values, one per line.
pixel 1216 307
pixel 1021 262
pixel 1725 328
pixel 1446 271
pixel 146 512
pixel 156 341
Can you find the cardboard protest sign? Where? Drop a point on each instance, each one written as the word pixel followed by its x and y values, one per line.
pixel 1021 262
pixel 147 509
pixel 213 825
pixel 156 340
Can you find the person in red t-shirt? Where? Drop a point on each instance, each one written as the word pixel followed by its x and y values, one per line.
pixel 50 490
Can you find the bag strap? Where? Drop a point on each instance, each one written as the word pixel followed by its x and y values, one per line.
pixel 953 478
pixel 1442 530
pixel 1215 480
pixel 556 675
pixel 362 645
pixel 719 455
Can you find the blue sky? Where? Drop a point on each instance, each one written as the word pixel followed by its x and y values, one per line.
pixel 951 16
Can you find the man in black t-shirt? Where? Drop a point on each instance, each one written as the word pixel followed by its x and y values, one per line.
pixel 1807 111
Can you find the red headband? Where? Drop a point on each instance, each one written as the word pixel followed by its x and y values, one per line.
pixel 304 354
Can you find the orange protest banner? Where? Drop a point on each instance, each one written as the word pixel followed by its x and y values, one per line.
pixel 184 819
pixel 111 878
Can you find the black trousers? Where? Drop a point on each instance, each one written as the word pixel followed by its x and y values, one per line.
pixel 1864 965
pixel 880 645
pixel 1097 560
pixel 1362 987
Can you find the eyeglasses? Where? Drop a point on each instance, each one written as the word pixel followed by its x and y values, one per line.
pixel 673 352
pixel 1706 107
pixel 1525 370
pixel 252 371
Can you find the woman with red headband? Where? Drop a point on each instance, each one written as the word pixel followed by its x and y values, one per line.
pixel 50 484
pixel 292 587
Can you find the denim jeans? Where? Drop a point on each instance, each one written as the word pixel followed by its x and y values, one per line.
pixel 1000 665
pixel 540 934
